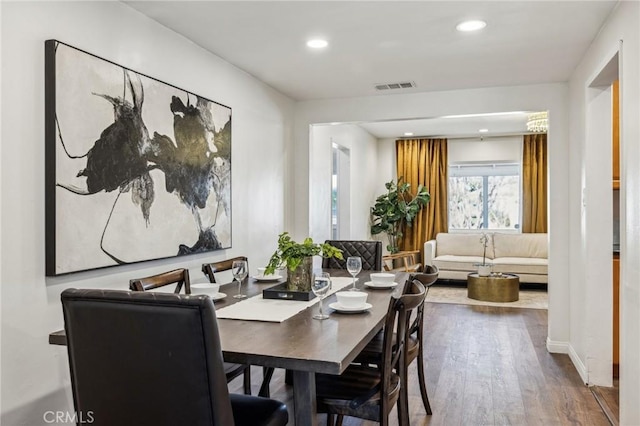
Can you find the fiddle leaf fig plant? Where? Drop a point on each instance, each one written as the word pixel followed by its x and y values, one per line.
pixel 290 253
pixel 395 209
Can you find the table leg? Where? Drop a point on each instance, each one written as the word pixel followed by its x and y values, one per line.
pixel 304 398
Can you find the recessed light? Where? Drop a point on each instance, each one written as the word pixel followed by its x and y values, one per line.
pixel 408 133
pixel 483 130
pixel 317 43
pixel 474 25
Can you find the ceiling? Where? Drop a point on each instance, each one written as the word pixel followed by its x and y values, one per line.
pixel 374 42
pixel 461 126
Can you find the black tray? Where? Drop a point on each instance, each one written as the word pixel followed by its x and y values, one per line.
pixel 280 291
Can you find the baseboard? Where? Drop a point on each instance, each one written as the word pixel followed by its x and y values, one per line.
pixel 577 362
pixel 566 348
pixel 557 347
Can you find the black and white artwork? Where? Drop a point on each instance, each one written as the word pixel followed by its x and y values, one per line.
pixel 136 169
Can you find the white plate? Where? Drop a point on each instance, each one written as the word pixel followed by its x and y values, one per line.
pixel 218 296
pixel 348 310
pixel 371 284
pixel 267 278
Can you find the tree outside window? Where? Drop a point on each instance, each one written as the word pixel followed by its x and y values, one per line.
pixel 484 196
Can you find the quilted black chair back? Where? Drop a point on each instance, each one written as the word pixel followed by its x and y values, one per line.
pixel 145 358
pixel 369 251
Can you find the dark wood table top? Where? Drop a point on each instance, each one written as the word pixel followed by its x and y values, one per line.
pixel 302 343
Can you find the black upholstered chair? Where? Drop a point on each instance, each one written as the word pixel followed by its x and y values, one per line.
pixel 369 391
pixel 145 358
pixel 180 277
pixel 372 353
pixel 369 251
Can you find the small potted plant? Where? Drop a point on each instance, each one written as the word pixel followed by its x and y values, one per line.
pixel 484 269
pixel 395 209
pixel 298 259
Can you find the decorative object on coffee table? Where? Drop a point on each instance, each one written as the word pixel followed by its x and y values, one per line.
pixel 484 269
pixel 493 288
pixel 298 259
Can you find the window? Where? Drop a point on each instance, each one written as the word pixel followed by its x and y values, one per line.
pixel 484 196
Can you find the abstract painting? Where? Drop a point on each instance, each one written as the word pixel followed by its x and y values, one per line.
pixel 136 169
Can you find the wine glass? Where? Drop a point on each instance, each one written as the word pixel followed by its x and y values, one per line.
pixel 239 269
pixel 354 266
pixel 320 286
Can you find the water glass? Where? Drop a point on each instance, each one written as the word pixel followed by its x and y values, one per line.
pixel 240 271
pixel 354 266
pixel 320 286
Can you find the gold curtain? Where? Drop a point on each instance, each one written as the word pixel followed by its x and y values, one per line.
pixel 424 161
pixel 534 183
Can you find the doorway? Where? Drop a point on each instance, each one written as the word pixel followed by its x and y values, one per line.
pixel 340 192
pixel 603 243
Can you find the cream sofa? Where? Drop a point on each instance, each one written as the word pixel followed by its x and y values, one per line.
pixel 456 255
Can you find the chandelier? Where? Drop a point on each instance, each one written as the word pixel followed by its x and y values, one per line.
pixel 538 122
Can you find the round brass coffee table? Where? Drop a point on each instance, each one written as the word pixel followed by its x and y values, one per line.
pixel 494 288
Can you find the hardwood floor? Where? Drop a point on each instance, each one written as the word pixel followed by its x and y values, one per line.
pixel 609 400
pixel 485 366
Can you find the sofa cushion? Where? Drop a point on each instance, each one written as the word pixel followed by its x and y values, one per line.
pixel 520 245
pixel 520 265
pixel 458 263
pixel 462 245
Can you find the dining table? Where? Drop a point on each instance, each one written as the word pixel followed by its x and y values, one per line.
pixel 300 343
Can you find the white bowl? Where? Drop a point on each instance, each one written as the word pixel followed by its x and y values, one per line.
pixel 205 288
pixel 261 274
pixel 382 278
pixel 351 299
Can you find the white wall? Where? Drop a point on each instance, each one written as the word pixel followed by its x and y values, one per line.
pixel 490 149
pixel 386 169
pixel 589 300
pixel 363 158
pixel 551 97
pixel 35 375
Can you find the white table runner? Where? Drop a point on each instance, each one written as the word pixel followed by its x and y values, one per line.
pixel 274 310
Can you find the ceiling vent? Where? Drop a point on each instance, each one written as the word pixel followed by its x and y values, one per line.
pixel 393 86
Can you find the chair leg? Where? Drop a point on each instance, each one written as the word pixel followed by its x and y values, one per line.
pixel 330 419
pixel 247 380
pixel 288 377
pixel 339 420
pixel 423 383
pixel 403 400
pixel 267 373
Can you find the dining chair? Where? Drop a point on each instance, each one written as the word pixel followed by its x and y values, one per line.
pixel 371 391
pixel 209 269
pixel 371 354
pixel 180 277
pixel 406 261
pixel 369 251
pixel 142 358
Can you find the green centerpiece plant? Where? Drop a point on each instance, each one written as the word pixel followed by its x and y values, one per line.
pixel 298 259
pixel 395 209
